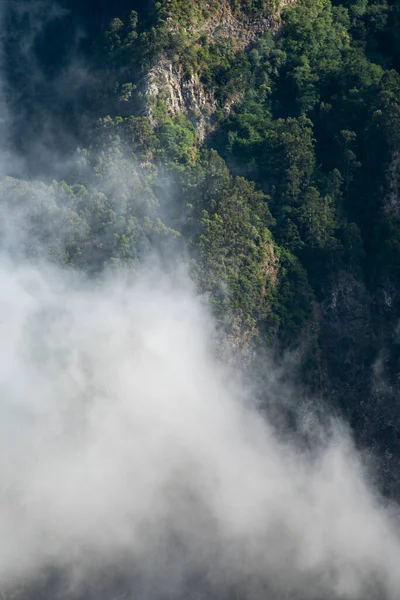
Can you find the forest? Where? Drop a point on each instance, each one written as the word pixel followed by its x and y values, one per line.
pixel 260 137
pixel 199 299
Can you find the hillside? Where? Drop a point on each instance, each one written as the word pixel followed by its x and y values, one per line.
pixel 264 135
pixel 199 272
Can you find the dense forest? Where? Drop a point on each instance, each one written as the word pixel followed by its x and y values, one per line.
pixel 147 449
pixel 260 137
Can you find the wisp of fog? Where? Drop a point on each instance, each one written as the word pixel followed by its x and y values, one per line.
pixel 127 447
pixel 123 439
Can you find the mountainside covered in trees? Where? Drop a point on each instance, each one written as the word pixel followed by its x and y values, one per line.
pixel 264 136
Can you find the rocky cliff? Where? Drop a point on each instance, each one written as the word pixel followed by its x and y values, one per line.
pixel 182 89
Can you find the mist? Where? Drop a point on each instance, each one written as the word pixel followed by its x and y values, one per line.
pixel 135 462
pixel 124 441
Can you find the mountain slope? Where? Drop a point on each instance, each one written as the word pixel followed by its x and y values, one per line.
pixel 265 135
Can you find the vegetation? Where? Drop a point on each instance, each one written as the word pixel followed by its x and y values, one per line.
pixel 288 201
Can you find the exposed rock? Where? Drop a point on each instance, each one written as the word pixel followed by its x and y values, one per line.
pixel 392 201
pixel 348 337
pixel 183 94
pixel 223 24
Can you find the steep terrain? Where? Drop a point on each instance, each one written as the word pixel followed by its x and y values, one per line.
pixel 256 142
pixel 263 134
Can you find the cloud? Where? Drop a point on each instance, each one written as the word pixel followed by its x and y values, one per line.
pixel 133 461
pixel 124 441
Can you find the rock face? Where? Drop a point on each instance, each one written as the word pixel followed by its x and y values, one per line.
pixel 223 24
pixel 182 94
pixel 360 361
pixel 185 94
pixel 346 328
pixel 392 200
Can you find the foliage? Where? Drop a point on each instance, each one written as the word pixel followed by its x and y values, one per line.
pixel 290 208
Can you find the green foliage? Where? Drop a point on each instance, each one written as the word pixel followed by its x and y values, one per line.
pixel 235 247
pixel 111 215
pixel 176 141
pixel 293 302
pixel 298 182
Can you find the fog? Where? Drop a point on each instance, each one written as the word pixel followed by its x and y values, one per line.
pixel 123 439
pixel 134 461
